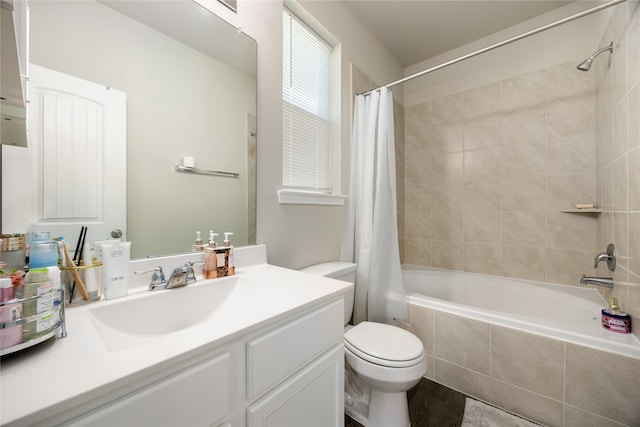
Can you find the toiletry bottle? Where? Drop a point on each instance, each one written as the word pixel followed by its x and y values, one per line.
pixel 40 310
pixel 115 269
pixel 210 269
pixel 231 266
pixel 9 335
pixel 197 245
pixel 90 280
pixel 615 320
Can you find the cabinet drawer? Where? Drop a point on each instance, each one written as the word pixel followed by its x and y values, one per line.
pixel 274 356
pixel 196 396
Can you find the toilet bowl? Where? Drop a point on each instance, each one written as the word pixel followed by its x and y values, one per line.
pixel 382 362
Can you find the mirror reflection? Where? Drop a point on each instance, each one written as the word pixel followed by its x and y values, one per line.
pixel 190 84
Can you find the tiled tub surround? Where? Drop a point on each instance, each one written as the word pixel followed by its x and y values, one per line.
pixel 494 356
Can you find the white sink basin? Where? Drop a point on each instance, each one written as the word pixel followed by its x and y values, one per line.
pixel 135 320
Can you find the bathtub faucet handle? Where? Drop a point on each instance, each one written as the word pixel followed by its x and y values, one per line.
pixel 609 256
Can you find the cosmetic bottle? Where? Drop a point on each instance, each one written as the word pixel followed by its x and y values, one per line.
pixel 115 269
pixel 198 246
pixel 9 335
pixel 615 320
pixel 210 269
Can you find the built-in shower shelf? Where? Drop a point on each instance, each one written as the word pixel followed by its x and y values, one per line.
pixel 583 211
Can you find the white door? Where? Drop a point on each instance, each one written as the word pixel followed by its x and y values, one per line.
pixel 77 130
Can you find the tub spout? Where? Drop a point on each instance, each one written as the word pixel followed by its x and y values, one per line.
pixel 607 282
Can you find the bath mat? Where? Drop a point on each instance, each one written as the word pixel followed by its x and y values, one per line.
pixel 478 414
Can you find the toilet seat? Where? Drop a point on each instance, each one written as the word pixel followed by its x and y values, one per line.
pixel 384 345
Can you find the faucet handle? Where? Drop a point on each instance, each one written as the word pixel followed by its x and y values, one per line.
pixel 609 256
pixel 191 275
pixel 157 278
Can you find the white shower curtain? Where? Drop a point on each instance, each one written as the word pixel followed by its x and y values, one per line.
pixel 371 234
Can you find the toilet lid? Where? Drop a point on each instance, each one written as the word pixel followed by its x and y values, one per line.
pixel 384 344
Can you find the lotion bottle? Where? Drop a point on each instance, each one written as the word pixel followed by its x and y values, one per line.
pixel 115 269
pixel 210 269
pixel 198 246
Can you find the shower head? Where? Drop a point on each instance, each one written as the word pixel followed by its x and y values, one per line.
pixel 586 64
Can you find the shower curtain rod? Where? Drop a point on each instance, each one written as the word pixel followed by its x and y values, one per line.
pixel 500 44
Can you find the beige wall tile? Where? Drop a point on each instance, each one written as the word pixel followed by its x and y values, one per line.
pixel 417 197
pixel 523 262
pixel 564 82
pixel 417 169
pixel 634 243
pixel 634 179
pixel 524 91
pixel 567 266
pixel 447 255
pixel 524 194
pixel 571 231
pixel 448 138
pixel 530 405
pixel 620 184
pixel 480 258
pixel 529 361
pixel 482 196
pixel 462 341
pixel 447 167
pixel 575 417
pixel 447 196
pixel 572 116
pixel 610 391
pixel 572 154
pixel 523 229
pixel 482 101
pixel 524 126
pixel 620 130
pixel 447 226
pixel 464 380
pixel 633 103
pixel 417 225
pixel 483 132
pixel 482 164
pixel 447 109
pixel 634 50
pixel 417 118
pixel 482 227
pixel 421 324
pixel 520 160
pixel 417 251
pixel 565 191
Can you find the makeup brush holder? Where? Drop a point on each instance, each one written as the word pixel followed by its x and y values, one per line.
pixel 92 278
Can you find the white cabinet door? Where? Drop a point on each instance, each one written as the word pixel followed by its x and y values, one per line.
pixel 197 396
pixel 313 397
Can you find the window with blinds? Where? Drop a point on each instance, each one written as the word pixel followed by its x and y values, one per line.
pixel 306 108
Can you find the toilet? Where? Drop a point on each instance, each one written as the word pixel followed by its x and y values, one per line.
pixel 382 361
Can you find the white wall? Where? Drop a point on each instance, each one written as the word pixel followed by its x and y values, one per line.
pixel 300 235
pixel 88 40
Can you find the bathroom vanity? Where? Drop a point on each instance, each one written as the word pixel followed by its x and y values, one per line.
pixel 263 347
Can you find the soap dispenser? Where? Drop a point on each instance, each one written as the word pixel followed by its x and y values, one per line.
pixel 210 269
pixel 198 246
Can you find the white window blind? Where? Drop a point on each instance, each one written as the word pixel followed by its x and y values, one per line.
pixel 306 108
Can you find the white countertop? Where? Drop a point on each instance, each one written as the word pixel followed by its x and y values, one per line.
pixel 59 374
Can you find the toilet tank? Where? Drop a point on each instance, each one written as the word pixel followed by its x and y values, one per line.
pixel 345 271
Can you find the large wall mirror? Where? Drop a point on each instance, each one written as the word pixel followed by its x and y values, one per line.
pixel 190 84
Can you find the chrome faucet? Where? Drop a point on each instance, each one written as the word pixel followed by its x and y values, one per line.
pixel 607 282
pixel 182 276
pixel 157 278
pixel 609 256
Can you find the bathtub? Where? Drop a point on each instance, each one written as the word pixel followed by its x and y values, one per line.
pixel 567 313
pixel 535 349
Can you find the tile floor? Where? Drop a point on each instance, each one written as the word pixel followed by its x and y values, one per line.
pixel 430 405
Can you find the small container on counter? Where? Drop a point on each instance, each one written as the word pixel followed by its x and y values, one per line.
pixel 10 312
pixel 615 320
